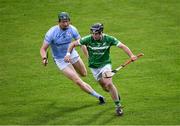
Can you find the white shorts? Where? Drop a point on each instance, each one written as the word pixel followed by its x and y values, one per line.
pixel 97 72
pixel 61 64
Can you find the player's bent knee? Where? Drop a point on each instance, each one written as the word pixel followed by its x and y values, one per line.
pixel 108 85
pixel 105 89
pixel 84 74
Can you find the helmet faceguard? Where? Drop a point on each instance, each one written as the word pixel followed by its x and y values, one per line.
pixel 97 28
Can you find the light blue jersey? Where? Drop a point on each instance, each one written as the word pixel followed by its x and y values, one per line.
pixel 59 40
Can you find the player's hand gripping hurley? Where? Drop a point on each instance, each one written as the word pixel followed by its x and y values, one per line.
pixel 113 72
pixel 45 59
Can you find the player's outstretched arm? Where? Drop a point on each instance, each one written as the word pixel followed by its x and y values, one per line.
pixel 128 51
pixel 70 48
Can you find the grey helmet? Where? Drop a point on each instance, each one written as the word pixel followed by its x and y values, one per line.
pixel 97 28
pixel 63 16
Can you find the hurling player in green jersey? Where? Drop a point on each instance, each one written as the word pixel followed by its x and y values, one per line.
pixel 98 45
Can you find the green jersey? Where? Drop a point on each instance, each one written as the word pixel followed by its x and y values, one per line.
pixel 99 49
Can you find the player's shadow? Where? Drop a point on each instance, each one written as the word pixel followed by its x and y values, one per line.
pixel 98 115
pixel 54 112
pixel 46 111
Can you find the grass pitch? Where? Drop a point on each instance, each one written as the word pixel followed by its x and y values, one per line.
pixel 32 94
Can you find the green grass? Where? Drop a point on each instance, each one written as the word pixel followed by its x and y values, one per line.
pixel 150 87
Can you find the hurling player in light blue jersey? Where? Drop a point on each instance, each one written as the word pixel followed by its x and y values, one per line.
pixel 59 38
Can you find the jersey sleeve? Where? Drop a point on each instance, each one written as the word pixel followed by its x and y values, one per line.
pixel 75 33
pixel 84 40
pixel 49 36
pixel 115 41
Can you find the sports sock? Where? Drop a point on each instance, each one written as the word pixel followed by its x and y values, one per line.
pixel 117 103
pixel 95 94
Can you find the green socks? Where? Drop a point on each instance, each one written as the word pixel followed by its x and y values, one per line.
pixel 117 103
